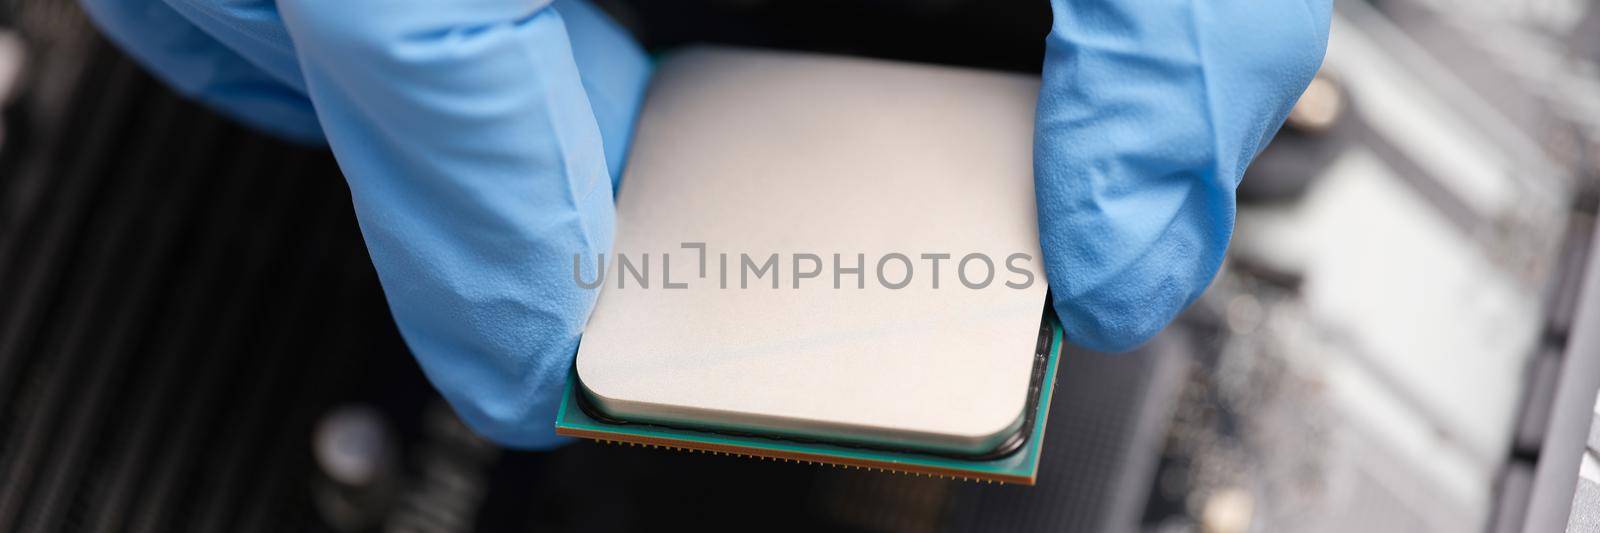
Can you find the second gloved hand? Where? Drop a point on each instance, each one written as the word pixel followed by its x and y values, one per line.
pixel 1149 114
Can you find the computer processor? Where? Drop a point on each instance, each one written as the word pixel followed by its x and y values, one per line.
pixel 824 259
pixel 1018 466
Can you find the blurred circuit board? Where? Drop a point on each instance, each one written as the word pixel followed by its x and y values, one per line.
pixel 1379 351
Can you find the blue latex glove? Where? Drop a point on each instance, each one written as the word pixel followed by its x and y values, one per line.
pixel 482 141
pixel 1150 111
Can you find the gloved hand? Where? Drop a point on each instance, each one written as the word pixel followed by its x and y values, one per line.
pixel 482 140
pixel 1149 114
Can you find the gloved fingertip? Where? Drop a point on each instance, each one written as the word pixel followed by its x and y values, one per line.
pixel 1131 305
pixel 1090 330
pixel 516 423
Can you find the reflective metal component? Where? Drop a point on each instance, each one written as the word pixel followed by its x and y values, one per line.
pixel 852 162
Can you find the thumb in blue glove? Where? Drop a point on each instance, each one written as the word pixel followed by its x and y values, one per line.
pixel 481 141
pixel 1149 113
